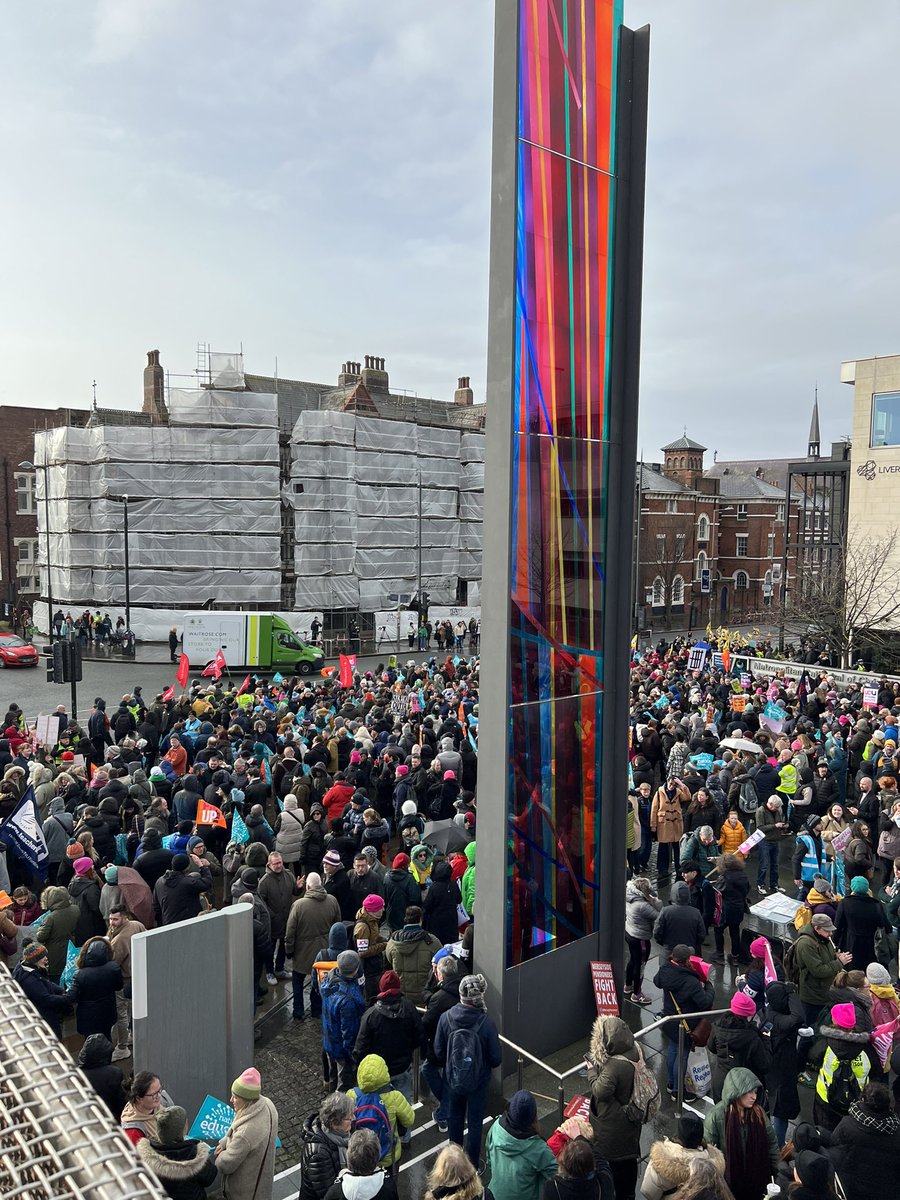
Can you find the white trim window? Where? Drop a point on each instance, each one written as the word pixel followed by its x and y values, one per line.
pixel 678 590
pixel 741 581
pixel 659 592
pixel 26 496
pixel 703 528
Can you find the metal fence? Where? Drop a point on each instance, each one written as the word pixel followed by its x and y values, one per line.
pixel 57 1138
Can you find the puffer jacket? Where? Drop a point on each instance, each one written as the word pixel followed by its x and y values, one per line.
pixel 289 835
pixel 372 1076
pixel 669 1164
pixel 409 952
pixel 57 829
pixel 641 912
pixel 866 1152
pixel 185 1169
pixel 93 991
pixel 614 1053
pixel 85 892
pixel 58 927
pixel 324 1153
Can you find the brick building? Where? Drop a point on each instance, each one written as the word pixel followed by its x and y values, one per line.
pixel 711 546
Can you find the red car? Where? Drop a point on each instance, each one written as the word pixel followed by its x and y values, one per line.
pixel 14 652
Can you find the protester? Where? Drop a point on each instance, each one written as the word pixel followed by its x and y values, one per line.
pixel 363 1178
pixel 455 1177
pixel 866 1145
pixel 140 1112
pixel 617 1136
pixel 326 1135
pixel 669 1161
pixel 642 907
pixel 684 991
pixel 343 1004
pixel 95 1060
pixel 374 1089
pixel 33 976
pixel 93 989
pixel 736 1041
pixel 738 1126
pixel 307 933
pixel 844 1057
pixel 245 1156
pixel 519 1158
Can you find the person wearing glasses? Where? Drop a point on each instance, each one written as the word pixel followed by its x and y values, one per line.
pixel 144 1100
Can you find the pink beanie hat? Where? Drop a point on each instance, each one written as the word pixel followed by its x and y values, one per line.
pixel 743 1006
pixel 247 1084
pixel 82 866
pixel 758 947
pixel 844 1016
pixel 373 904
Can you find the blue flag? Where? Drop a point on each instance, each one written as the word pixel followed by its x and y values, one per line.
pixel 278 677
pixel 239 831
pixel 21 833
pixel 71 966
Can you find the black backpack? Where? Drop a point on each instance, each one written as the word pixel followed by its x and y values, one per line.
pixel 748 797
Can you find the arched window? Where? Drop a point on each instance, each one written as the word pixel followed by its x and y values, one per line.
pixel 659 591
pixel 741 581
pixel 702 562
pixel 767 579
pixel 703 528
pixel 678 590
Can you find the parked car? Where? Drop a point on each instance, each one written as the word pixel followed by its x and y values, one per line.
pixel 14 652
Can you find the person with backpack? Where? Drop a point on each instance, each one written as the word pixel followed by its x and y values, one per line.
pixel 381 1108
pixel 343 1005
pixel 680 923
pixel 519 1158
pixel 467 1047
pixel 393 1027
pixel 845 1065
pixel 811 963
pixel 624 1096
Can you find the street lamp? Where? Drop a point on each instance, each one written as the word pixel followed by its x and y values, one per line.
pixel 30 466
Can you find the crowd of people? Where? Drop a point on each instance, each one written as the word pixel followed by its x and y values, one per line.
pixel 348 822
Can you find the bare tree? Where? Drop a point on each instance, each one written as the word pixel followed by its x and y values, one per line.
pixel 670 552
pixel 851 597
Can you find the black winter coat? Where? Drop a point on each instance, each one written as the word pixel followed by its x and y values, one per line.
pixel 320 1160
pixel 93 992
pixel 734 1042
pixel 176 896
pixel 400 891
pixel 866 1153
pixel 858 920
pixel 785 1014
pixel 185 1169
pixel 47 997
pixel 95 1060
pixel 393 1029
pixel 440 1001
pixel 104 842
pixel 86 894
pixel 441 899
pixel 682 986
pixel 338 885
pixel 152 865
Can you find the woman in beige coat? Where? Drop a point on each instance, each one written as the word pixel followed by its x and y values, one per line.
pixel 667 822
pixel 245 1156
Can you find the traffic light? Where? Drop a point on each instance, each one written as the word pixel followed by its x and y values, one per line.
pixel 64 662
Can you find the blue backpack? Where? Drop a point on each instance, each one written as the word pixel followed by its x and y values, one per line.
pixel 371 1114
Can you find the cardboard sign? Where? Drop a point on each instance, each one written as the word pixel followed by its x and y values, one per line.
pixel 746 679
pixel 753 840
pixel 604 989
pixel 5 900
pixel 840 840
pixel 578 1106
pixel 739 703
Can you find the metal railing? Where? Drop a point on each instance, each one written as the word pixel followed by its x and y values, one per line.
pixel 559 1076
pixel 681 1018
pixel 57 1137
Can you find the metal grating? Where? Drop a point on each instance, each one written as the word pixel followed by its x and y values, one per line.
pixel 57 1138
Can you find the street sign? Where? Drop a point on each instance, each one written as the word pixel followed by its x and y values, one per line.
pixel 706 581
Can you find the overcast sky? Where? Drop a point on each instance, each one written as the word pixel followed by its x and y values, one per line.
pixel 312 180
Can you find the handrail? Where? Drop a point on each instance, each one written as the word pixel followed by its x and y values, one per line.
pixel 537 1061
pixel 681 1018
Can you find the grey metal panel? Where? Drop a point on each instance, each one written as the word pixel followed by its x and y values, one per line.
pixel 549 1002
pixel 192 1002
pixel 490 896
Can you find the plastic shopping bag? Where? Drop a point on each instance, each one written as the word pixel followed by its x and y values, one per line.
pixel 697 1072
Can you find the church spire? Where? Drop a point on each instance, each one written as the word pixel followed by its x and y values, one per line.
pixel 814 439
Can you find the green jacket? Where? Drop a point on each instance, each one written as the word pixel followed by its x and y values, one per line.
pixel 467 883
pixel 704 856
pixel 738 1081
pixel 818 963
pixel 57 927
pixel 519 1165
pixel 372 1076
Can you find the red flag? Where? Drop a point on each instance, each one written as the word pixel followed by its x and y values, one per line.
pixel 348 666
pixel 169 693
pixel 461 715
pixel 184 668
pixel 208 814
pixel 244 686
pixel 216 667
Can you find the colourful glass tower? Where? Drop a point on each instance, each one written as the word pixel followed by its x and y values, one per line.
pixel 567 229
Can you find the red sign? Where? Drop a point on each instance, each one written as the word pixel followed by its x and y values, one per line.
pixel 578 1106
pixel 604 989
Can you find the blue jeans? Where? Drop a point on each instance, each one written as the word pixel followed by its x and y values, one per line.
pixel 780 1125
pixel 402 1083
pixel 672 1065
pixel 662 856
pixel 467 1107
pixel 768 857
pixel 434 1077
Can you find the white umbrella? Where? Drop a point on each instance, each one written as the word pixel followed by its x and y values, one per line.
pixel 736 743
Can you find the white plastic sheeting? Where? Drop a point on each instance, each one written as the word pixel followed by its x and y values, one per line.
pixel 204 508
pixel 226 370
pixel 357 484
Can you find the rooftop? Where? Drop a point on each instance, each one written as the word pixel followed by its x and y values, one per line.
pixel 684 443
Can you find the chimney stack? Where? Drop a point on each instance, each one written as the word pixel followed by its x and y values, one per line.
pixel 155 389
pixel 464 394
pixel 350 374
pixel 374 375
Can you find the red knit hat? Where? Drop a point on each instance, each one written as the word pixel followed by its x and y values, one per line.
pixel 389 985
pixel 400 861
